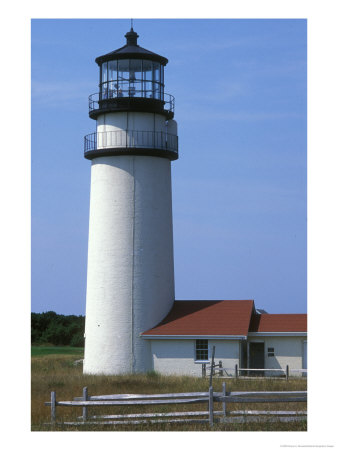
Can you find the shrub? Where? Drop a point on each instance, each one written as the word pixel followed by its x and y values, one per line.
pixel 57 329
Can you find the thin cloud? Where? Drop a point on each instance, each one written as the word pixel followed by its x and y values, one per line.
pixel 59 92
pixel 223 90
pixel 241 116
pixel 211 45
pixel 279 68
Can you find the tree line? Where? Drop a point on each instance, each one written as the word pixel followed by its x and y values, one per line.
pixel 57 329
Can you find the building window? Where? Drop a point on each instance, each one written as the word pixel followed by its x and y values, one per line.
pixel 271 351
pixel 201 351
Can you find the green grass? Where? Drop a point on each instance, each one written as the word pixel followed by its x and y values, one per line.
pixel 61 350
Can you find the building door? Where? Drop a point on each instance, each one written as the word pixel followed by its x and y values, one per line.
pixel 304 357
pixel 256 358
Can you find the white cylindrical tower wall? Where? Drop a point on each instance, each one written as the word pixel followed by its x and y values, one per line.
pixel 131 121
pixel 108 124
pixel 130 281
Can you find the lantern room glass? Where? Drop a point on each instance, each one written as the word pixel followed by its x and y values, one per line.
pixel 132 78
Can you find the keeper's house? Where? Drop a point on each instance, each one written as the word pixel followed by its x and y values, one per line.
pixel 241 335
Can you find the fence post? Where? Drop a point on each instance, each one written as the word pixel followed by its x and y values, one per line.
pixel 204 370
pixel 236 371
pixel 287 372
pixel 211 406
pixel 53 407
pixel 85 409
pixel 224 401
pixel 212 365
pixel 220 365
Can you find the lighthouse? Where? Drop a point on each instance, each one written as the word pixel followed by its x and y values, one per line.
pixel 130 272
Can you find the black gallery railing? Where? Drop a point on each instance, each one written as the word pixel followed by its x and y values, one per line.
pixel 131 139
pixel 100 100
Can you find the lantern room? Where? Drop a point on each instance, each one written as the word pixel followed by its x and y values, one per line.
pixel 131 79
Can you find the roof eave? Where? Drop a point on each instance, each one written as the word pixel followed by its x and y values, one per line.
pixel 276 333
pixel 117 54
pixel 193 336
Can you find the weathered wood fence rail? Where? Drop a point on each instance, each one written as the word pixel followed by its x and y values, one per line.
pixel 210 398
pixel 226 372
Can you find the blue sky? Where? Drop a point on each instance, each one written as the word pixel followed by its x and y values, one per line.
pixel 239 186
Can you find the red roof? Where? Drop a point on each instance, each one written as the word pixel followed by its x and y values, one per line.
pixel 278 323
pixel 206 318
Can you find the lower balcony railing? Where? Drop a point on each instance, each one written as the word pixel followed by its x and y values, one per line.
pixel 131 139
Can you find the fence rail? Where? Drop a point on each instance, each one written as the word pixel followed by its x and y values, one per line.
pixel 210 398
pixel 223 372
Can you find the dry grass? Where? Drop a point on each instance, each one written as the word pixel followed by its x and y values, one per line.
pixel 58 373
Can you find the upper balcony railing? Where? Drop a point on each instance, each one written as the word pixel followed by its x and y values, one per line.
pixel 156 143
pixel 105 99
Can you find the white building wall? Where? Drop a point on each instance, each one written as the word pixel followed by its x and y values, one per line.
pixel 177 356
pixel 134 129
pixel 288 350
pixel 132 121
pixel 130 279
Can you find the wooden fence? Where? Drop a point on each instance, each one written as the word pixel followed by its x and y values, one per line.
pixel 220 371
pixel 208 416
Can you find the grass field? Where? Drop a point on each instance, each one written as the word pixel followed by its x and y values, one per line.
pixel 54 370
pixel 37 350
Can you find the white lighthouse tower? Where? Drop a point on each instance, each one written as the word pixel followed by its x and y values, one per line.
pixel 130 278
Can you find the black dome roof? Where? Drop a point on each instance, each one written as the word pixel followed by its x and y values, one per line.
pixel 131 51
